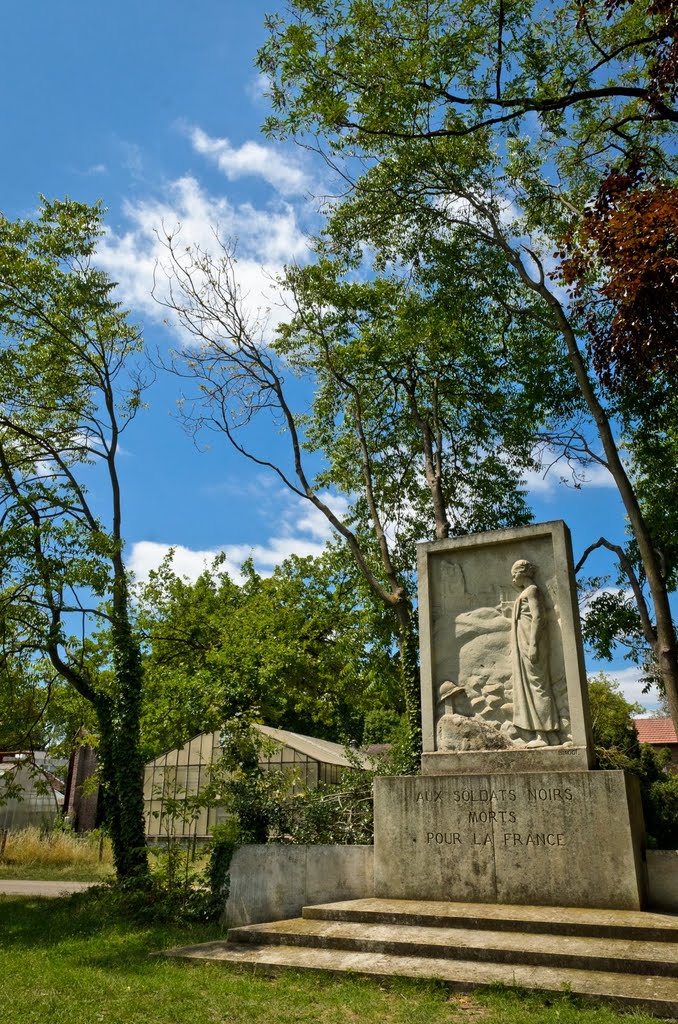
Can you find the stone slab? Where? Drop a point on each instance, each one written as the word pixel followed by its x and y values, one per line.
pixel 515 947
pixel 656 995
pixel 338 869
pixel 466 762
pixel 548 838
pixel 662 879
pixel 502 666
pixel 639 925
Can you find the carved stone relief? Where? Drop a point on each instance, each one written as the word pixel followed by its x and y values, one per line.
pixel 499 674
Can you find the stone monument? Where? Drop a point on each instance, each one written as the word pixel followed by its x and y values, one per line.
pixel 507 808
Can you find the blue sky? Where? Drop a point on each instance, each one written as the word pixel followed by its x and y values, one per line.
pixel 155 108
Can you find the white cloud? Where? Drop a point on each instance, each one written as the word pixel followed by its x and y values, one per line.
pixel 596 475
pixel 304 530
pixel 147 555
pixel 266 239
pixel 556 473
pixel 96 169
pixel 252 159
pixel 258 87
pixel 309 519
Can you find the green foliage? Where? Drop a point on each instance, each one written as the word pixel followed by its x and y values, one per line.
pixel 70 385
pixel 153 900
pixel 382 725
pixel 611 716
pixel 415 373
pixel 223 843
pixel 373 76
pixel 180 885
pixel 344 813
pixel 256 796
pixel 653 446
pixel 658 790
pixel 472 140
pixel 611 619
pixel 617 748
pixel 661 811
pixel 341 814
pixel 275 805
pixel 301 649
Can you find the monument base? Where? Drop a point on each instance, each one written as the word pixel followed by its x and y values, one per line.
pixel 497 762
pixel 535 838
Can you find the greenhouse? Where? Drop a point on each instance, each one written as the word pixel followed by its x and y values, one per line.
pixel 171 779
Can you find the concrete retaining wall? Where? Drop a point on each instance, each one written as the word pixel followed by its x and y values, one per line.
pixel 270 883
pixel 662 879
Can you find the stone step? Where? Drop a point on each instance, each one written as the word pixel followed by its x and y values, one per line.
pixel 650 994
pixel 516 948
pixel 611 924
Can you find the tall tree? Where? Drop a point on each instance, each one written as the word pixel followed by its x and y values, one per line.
pixel 469 132
pixel 70 385
pixel 629 237
pixel 409 421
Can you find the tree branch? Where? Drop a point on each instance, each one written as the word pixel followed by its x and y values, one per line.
pixel 649 631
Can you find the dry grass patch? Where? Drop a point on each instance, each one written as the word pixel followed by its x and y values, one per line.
pixel 467 1008
pixel 30 853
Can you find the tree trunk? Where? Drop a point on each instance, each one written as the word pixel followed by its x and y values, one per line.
pixel 665 647
pixel 110 811
pixel 665 650
pixel 129 766
pixel 408 647
pixel 121 762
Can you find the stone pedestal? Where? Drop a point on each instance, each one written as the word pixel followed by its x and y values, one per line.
pixel 506 810
pixel 542 838
pixel 496 762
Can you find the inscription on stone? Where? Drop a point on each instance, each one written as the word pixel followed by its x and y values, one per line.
pixel 533 795
pixel 460 799
pixel 507 839
pixel 541 793
pixel 484 817
pixel 538 837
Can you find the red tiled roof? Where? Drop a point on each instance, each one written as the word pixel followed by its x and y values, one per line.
pixel 655 730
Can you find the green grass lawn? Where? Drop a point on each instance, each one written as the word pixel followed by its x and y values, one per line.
pixel 76 961
pixel 57 873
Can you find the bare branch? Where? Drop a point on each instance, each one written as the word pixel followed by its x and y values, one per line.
pixel 649 631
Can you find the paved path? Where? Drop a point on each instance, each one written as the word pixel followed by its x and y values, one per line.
pixel 27 887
